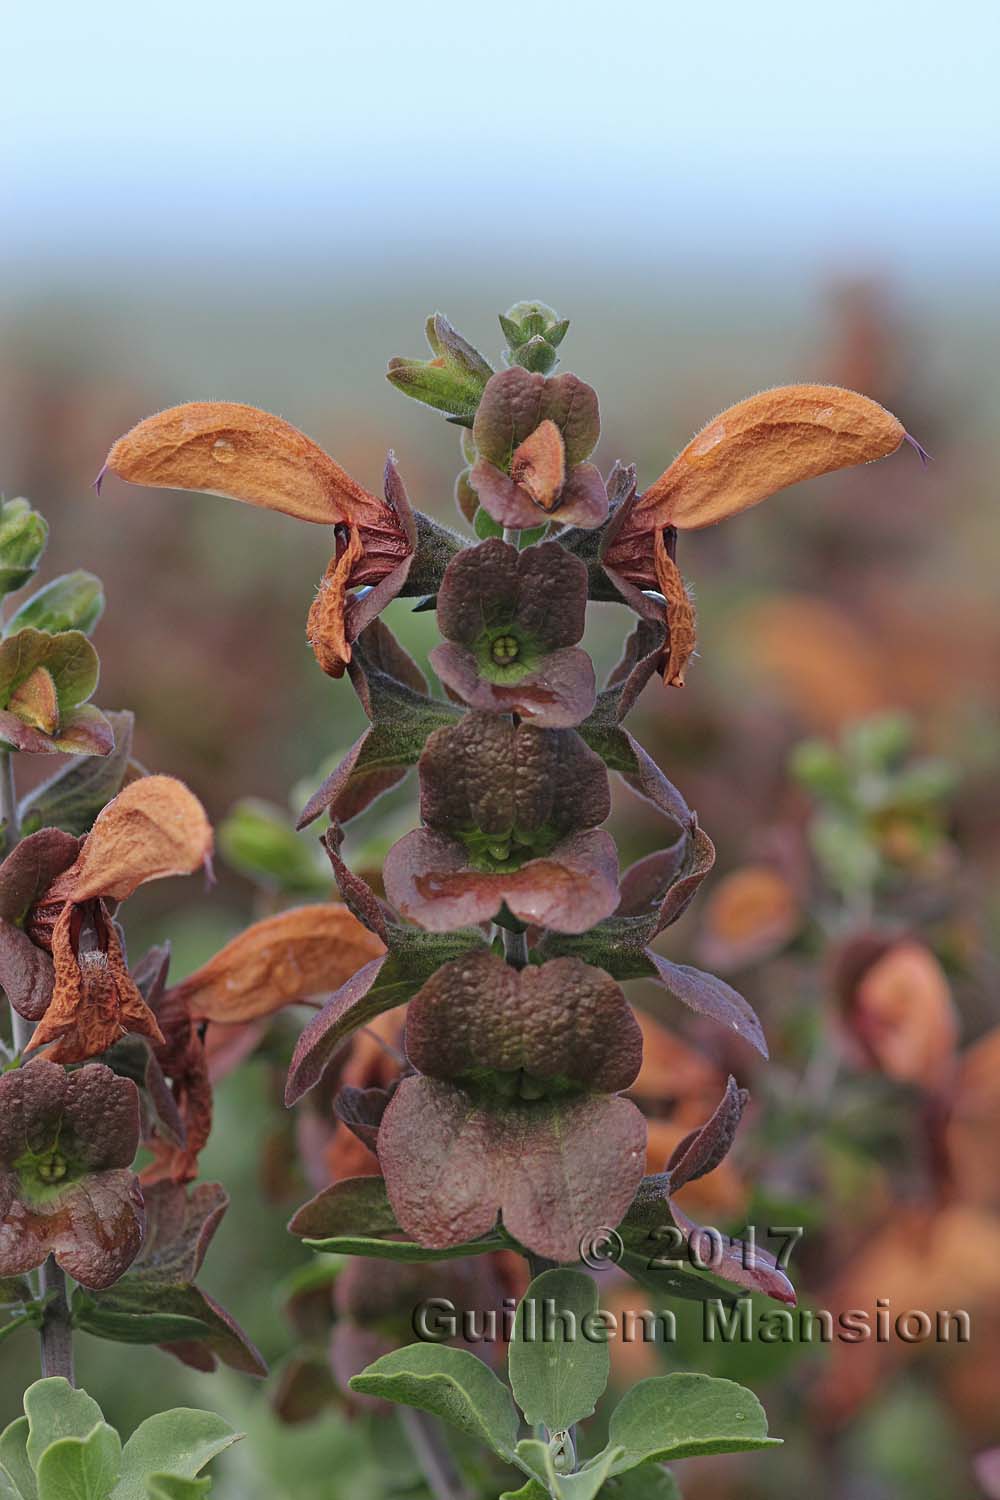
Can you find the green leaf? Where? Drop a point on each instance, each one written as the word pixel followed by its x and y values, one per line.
pixel 678 1416
pixel 588 1481
pixel 73 602
pixel 81 1468
pixel 127 1325
pixel 72 798
pixel 530 1491
pixel 259 841
pixel 55 1410
pixel 584 1484
pixel 450 1383
pixel 647 1482
pixel 171 1487
pixel 484 525
pixel 23 534
pixel 404 1250
pixel 14 1460
pixel 178 1442
pixel 559 1361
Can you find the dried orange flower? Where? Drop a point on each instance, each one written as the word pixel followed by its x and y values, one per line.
pixel 154 828
pixel 240 453
pixel 764 444
pixel 309 950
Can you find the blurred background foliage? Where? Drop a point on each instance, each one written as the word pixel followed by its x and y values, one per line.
pixel 212 211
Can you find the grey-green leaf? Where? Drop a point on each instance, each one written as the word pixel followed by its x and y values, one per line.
pixel 647 1482
pixel 170 1487
pixel 80 1468
pixel 559 1360
pixel 14 1460
pixel 450 1383
pixel 678 1416
pixel 55 1410
pixel 588 1481
pixel 179 1442
pixel 403 1250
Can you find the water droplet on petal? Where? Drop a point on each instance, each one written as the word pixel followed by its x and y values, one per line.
pixel 223 451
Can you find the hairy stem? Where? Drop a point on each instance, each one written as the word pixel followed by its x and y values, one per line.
pixel 57 1329
pixel 439 1470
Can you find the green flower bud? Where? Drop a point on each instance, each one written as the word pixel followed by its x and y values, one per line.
pixel 73 602
pixel 533 332
pixel 23 535
pixel 452 381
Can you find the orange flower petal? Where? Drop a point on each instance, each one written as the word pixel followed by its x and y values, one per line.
pixel 155 827
pixel 764 444
pixel 325 628
pixel 222 448
pixel 903 1012
pixel 680 614
pixel 94 1000
pixel 306 951
pixel 539 464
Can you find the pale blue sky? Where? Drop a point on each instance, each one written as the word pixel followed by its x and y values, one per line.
pixel 256 131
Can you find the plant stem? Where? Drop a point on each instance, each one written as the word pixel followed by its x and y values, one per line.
pixel 20 1028
pixel 8 802
pixel 515 947
pixel 439 1470
pixel 57 1329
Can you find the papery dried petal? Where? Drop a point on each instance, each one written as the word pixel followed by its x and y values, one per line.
pixel 223 448
pixel 774 439
pixel 681 635
pixel 325 627
pixel 95 1000
pixel 287 958
pixel 153 828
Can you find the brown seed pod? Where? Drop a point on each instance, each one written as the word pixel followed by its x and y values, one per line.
pixel 761 445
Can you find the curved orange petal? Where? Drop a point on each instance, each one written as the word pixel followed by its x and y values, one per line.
pixel 761 445
pixel 326 630
pixel 223 448
pixel 155 827
pixel 308 950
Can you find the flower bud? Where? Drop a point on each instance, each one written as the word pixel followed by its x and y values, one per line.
pixel 534 332
pixel 73 602
pixel 23 535
pixel 452 381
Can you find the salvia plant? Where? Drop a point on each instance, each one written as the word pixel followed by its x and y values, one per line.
pixel 502 921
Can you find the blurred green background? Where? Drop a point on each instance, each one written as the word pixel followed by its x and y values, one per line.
pixel 230 202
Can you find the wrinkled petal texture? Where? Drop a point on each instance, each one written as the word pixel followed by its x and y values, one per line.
pixel 560 1020
pixel 154 828
pixel 484 774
